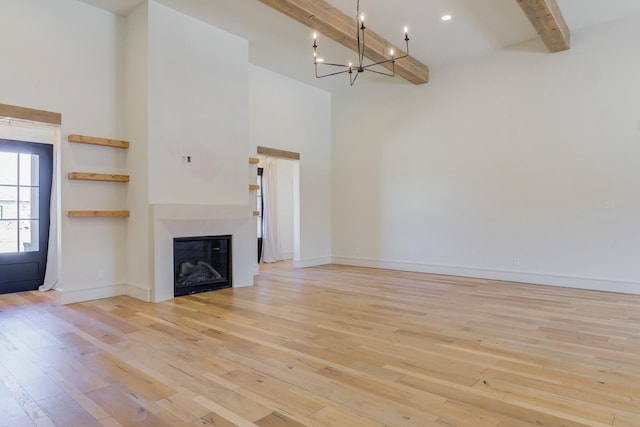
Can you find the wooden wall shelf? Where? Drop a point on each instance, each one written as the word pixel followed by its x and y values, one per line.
pixel 253 187
pixel 87 176
pixel 254 160
pixel 256 213
pixel 93 140
pixel 98 214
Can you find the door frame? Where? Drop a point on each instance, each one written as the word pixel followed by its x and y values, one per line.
pixel 17 263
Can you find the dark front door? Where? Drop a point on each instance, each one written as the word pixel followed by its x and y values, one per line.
pixel 25 194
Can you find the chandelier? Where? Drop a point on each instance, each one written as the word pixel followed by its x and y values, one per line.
pixel 354 70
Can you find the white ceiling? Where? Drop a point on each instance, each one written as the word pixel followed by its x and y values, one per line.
pixel 283 45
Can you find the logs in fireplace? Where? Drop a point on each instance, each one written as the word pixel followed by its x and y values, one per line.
pixel 201 264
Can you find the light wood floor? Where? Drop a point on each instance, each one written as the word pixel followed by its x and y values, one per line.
pixel 329 346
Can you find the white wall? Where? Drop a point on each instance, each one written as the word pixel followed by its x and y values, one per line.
pixel 292 116
pixel 65 56
pixel 502 166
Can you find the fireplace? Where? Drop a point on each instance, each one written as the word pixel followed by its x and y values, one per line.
pixel 201 264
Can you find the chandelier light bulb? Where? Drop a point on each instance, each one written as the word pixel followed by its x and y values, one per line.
pixel 391 52
pixel 406 30
pixel 362 17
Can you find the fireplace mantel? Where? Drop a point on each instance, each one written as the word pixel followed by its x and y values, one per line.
pixel 196 212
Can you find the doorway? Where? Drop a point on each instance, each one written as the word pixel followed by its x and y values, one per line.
pixel 283 190
pixel 25 195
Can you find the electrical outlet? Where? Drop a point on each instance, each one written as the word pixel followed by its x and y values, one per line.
pixel 101 274
pixel 516 261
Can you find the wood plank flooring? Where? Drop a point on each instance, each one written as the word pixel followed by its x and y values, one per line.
pixel 327 346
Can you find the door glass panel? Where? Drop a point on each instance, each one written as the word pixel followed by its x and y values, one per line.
pixel 29 233
pixel 19 202
pixel 8 168
pixel 8 236
pixel 29 169
pixel 8 202
pixel 29 202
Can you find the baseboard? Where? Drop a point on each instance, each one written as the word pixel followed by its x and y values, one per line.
pixel 243 285
pixel 143 294
pixel 579 282
pixel 81 295
pixel 288 255
pixel 311 262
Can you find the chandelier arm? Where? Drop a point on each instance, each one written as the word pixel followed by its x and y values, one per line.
pixel 329 64
pixel 360 42
pixel 386 61
pixel 390 74
pixel 352 78
pixel 361 48
pixel 330 74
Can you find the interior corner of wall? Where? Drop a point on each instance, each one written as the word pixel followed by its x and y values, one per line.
pixel 143 294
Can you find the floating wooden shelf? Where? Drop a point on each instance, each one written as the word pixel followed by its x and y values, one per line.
pixel 86 176
pixel 280 154
pixel 98 214
pixel 256 213
pixel 253 187
pixel 115 143
pixel 254 160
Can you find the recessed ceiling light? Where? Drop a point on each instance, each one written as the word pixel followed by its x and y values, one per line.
pixel 446 17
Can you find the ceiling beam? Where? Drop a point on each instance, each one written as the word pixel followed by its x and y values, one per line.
pixel 326 19
pixel 547 19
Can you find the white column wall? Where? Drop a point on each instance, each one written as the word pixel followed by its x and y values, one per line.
pixel 198 108
pixel 139 271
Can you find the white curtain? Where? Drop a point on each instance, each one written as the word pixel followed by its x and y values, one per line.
pixel 19 130
pixel 271 247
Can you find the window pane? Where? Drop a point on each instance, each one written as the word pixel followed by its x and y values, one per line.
pixel 8 202
pixel 29 233
pixel 8 236
pixel 29 202
pixel 29 169
pixel 8 168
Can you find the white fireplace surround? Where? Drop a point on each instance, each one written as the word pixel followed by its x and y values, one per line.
pixel 170 221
